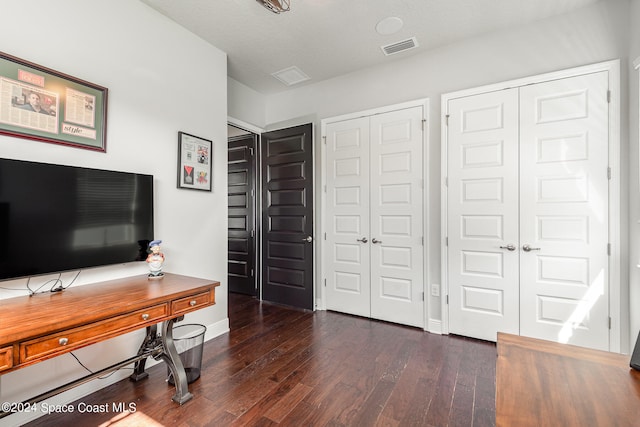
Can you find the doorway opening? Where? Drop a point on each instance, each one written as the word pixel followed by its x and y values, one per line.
pixel 242 205
pixel 270 231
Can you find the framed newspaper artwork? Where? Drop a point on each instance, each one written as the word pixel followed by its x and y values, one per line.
pixel 46 105
pixel 194 162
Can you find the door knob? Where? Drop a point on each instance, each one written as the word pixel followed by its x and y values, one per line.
pixel 363 240
pixel 374 241
pixel 528 248
pixel 308 239
pixel 509 247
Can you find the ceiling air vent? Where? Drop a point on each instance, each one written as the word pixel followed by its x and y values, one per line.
pixel 291 75
pixel 400 46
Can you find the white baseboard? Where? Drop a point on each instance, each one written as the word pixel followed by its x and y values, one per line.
pixel 216 329
pixel 435 326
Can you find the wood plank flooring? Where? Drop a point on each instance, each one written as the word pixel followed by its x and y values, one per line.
pixel 284 367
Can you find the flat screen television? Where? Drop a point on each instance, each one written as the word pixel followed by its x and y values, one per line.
pixel 56 218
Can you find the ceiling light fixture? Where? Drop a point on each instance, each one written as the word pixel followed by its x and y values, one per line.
pixel 276 6
pixel 390 25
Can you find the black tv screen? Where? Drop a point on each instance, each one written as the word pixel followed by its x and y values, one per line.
pixel 56 218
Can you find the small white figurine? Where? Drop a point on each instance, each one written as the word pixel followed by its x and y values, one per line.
pixel 155 260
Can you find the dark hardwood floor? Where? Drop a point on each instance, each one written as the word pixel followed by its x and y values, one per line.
pixel 280 366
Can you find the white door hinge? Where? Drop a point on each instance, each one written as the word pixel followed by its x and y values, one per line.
pixel 251 151
pixel 609 249
pixel 446 120
pixel 324 140
pixel 608 97
pixel 609 173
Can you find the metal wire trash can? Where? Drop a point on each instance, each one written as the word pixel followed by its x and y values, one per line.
pixel 189 344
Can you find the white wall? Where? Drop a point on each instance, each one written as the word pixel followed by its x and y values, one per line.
pixel 161 80
pixel 246 104
pixel 634 189
pixel 593 34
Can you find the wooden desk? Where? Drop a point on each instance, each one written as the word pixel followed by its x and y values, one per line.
pixel 542 383
pixel 36 328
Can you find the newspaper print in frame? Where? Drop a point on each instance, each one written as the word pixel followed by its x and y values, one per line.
pixel 45 105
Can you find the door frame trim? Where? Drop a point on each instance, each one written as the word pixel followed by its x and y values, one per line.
pixel 245 126
pixel 618 333
pixel 421 102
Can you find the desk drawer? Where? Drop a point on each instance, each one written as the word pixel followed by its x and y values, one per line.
pixel 65 341
pixel 193 302
pixel 6 358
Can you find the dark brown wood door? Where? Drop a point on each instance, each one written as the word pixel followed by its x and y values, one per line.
pixel 287 218
pixel 242 207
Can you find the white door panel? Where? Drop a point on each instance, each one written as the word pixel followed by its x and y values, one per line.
pixel 564 146
pixel 482 214
pixel 348 277
pixel 396 217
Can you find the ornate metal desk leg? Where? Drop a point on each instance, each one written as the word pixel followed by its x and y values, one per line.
pixel 149 344
pixel 171 357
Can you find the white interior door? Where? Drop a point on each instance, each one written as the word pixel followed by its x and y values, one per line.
pixel 482 224
pixel 396 217
pixel 527 213
pixel 564 283
pixel 374 216
pixel 347 210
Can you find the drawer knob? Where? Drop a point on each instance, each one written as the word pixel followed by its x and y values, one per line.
pixel 63 341
pixel 145 316
pixel 192 303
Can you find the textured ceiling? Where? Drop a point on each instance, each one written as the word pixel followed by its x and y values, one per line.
pixel 328 38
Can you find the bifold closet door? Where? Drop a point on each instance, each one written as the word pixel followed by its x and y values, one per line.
pixel 482 211
pixel 527 212
pixel 374 215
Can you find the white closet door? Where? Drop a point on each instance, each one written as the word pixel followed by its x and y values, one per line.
pixel 396 217
pixel 564 211
pixel 348 289
pixel 483 214
pixel 374 191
